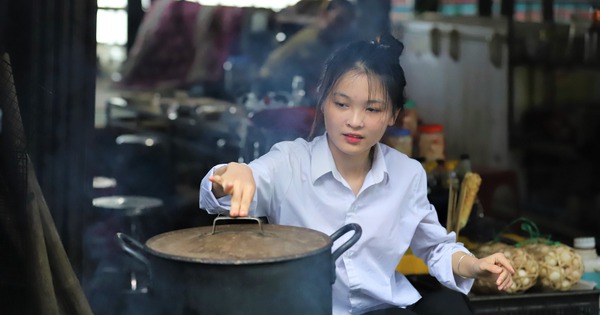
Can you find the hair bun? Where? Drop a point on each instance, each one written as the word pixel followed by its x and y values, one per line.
pixel 390 42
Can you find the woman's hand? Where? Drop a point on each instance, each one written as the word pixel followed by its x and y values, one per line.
pixel 235 179
pixel 494 268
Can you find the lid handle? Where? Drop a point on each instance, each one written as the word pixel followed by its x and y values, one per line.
pixel 235 218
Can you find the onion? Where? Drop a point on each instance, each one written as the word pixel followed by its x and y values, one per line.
pixel 554 276
pixel 565 257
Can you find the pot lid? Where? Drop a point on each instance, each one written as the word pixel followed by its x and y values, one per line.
pixel 239 243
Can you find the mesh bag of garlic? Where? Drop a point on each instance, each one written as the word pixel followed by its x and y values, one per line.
pixel 526 268
pixel 561 267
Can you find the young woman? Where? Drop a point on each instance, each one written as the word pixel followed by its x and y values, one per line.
pixel 344 175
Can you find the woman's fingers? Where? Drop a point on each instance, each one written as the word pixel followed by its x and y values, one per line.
pixel 236 180
pixel 236 195
pixel 502 261
pixel 241 198
pixel 216 179
pixel 504 281
pixel 497 268
pixel 246 200
pixel 226 186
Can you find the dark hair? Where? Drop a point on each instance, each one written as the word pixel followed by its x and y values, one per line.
pixel 378 59
pixel 340 4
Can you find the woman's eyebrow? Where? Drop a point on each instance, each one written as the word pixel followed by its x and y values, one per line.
pixel 341 95
pixel 375 102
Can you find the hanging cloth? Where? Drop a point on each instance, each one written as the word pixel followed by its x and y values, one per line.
pixel 36 276
pixel 180 43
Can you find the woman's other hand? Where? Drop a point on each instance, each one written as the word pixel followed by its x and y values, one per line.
pixel 494 268
pixel 235 179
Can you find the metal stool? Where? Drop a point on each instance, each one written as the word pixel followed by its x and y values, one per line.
pixel 130 208
pixel 142 165
pixel 104 186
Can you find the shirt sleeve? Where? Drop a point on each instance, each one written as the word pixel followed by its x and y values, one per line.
pixel 433 244
pixel 272 174
pixel 207 199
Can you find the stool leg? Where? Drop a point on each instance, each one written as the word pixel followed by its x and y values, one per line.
pixel 135 229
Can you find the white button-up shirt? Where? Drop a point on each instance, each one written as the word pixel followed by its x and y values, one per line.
pixel 298 184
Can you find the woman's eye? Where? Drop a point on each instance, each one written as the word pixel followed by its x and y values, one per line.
pixel 339 104
pixel 373 109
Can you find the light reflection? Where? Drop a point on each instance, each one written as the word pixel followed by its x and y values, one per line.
pixel 275 5
pixel 112 24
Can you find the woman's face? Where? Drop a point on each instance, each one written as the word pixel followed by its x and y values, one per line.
pixel 354 118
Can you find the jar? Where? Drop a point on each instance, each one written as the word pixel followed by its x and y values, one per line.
pixel 431 142
pixel 399 139
pixel 586 247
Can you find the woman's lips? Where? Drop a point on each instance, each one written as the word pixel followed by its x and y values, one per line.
pixel 352 138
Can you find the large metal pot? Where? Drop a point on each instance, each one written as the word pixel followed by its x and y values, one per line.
pixel 241 268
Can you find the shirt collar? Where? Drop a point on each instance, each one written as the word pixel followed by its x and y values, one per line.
pixel 379 168
pixel 322 162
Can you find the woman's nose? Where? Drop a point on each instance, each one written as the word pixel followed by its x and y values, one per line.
pixel 356 119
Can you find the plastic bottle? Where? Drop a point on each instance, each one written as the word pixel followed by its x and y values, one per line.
pixel 463 167
pixel 252 103
pixel 428 166
pixel 410 119
pixel 440 175
pixel 586 247
pixel 399 139
pixel 298 91
pixel 451 167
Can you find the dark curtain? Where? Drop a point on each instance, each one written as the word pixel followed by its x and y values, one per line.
pixel 47 101
pixel 36 275
pixel 52 46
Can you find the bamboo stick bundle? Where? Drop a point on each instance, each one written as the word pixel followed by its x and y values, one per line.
pixel 452 204
pixel 468 192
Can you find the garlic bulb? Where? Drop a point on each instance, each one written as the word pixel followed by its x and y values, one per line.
pixel 560 266
pixel 525 265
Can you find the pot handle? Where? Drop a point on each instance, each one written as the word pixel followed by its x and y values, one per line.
pixel 343 230
pixel 124 241
pixel 344 247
